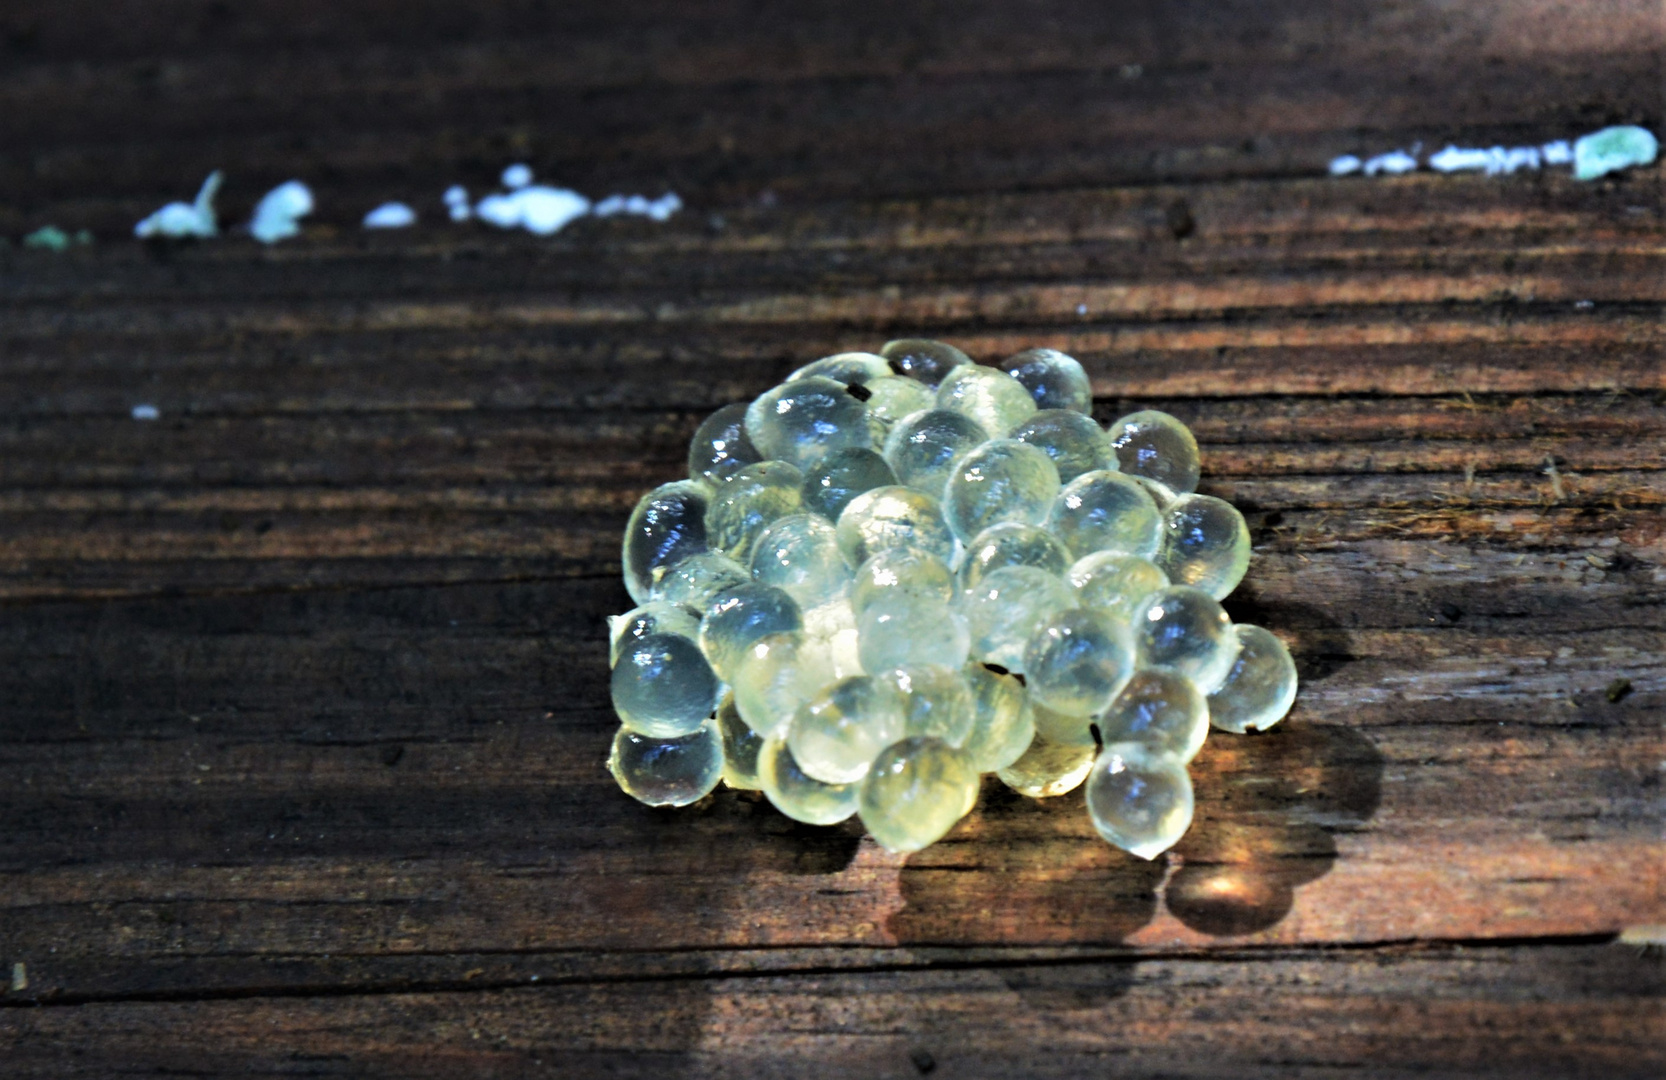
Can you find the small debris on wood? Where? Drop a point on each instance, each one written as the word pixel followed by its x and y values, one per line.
pixel 1618 690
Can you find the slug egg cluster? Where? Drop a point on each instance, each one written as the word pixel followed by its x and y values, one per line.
pixel 896 572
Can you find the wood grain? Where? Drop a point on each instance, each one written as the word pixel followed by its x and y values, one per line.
pixel 304 683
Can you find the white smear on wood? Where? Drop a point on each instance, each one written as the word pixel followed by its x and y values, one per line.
pixel 517 176
pixel 192 220
pixel 1344 165
pixel 538 209
pixel 457 202
pixel 278 215
pixel 1394 163
pixel 659 209
pixel 146 412
pixel 393 215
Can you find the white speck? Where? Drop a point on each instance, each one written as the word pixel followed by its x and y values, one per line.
pixel 1393 162
pixel 1584 305
pixel 1131 71
pixel 179 220
pixel 1557 153
pixel 537 209
pixel 1613 149
pixel 1493 161
pixel 146 412
pixel 1081 309
pixel 20 977
pixel 659 209
pixel 1342 166
pixel 393 215
pixel 457 201
pixel 279 211
pixel 517 176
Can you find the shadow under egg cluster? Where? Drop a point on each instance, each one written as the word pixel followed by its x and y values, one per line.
pixel 896 572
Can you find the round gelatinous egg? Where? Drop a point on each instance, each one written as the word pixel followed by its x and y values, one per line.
pixel 800 555
pixel 1012 544
pixel 1076 662
pixel 667 772
pixel 1139 799
pixel 1115 584
pixel 740 747
pixel 663 686
pixel 915 792
pixel 696 580
pixel 1006 607
pixel 1055 380
pixel 742 615
pixel 924 447
pixel 849 368
pixel 1062 728
pixel 892 398
pixel 1106 511
pixel 801 421
pixel 1156 445
pixel 1260 687
pixel 936 701
pixel 987 395
pixel 774 676
pixel 1002 720
pixel 753 497
pixel 893 517
pixel 650 618
pixel 667 526
pixel 799 795
pixel 907 571
pixel 922 359
pixel 897 630
pixel 1002 480
pixel 1159 708
pixel 832 483
pixel 1076 444
pixel 837 733
pixel 1048 768
pixel 1205 544
pixel 1186 629
pixel 720 447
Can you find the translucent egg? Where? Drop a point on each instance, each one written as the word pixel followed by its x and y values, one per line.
pixel 849 368
pixel 892 398
pixel 1186 629
pixel 924 447
pixel 799 554
pixel 1113 584
pixel 906 571
pixel 992 398
pixel 1106 511
pixel 893 517
pixel 1155 444
pixel 832 483
pixel 1002 721
pixel 832 629
pixel 936 701
pixel 1076 444
pixel 753 497
pixel 1054 380
pixel 1002 480
pixel 1139 800
pixel 663 687
pixel 650 618
pixel 667 526
pixel 1077 661
pixel 1006 607
pixel 1012 544
pixel 1260 687
pixel 799 795
pixel 740 747
pixel 774 676
pixel 922 359
pixel 837 734
pixel 1048 768
pixel 667 772
pixel 899 630
pixel 720 447
pixel 1160 709
pixel 1062 728
pixel 915 792
pixel 742 615
pixel 698 579
pixel 801 421
pixel 1205 544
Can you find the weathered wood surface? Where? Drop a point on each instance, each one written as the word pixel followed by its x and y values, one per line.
pixel 304 683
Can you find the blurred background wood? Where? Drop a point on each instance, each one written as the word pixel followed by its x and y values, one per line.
pixel 304 682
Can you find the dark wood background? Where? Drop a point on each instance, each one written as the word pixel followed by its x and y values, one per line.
pixel 303 696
